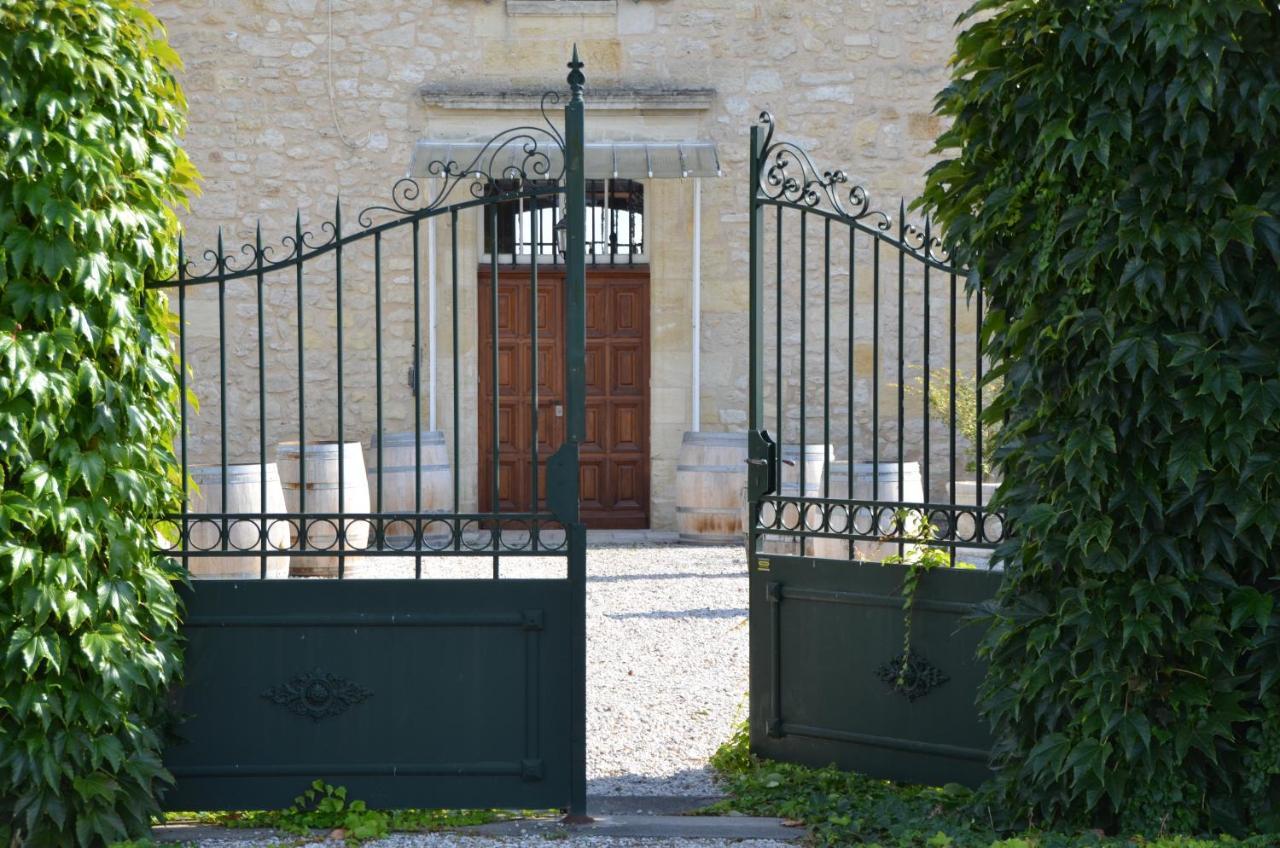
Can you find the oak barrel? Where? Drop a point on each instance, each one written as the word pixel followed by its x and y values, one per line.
pixel 399 472
pixel 321 463
pixel 244 496
pixel 711 483
pixel 812 461
pixel 878 482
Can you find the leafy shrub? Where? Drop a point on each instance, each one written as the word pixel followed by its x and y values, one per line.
pixel 90 166
pixel 846 808
pixel 1114 184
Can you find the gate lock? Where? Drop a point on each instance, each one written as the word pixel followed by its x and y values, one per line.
pixel 762 471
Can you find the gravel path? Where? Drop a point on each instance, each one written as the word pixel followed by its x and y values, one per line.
pixel 667 665
pixel 666 655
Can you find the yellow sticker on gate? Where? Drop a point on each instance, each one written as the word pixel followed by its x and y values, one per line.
pixel 762 565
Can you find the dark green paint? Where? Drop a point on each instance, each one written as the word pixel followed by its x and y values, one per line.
pixel 411 693
pixel 467 686
pixel 821 631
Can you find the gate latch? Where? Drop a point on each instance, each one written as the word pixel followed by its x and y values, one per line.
pixel 762 464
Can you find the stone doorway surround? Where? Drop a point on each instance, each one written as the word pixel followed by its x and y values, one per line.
pixel 640 113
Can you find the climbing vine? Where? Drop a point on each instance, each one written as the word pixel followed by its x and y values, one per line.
pixel 90 170
pixel 1112 177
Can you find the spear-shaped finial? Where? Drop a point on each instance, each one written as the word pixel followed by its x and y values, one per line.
pixel 576 78
pixel 337 215
pixel 902 216
pixel 222 256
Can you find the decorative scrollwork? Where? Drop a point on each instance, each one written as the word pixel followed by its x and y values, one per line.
pixel 787 174
pixel 317 694
pixel 526 152
pixel 911 676
pixel 881 521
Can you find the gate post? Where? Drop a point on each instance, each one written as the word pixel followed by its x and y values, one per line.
pixel 575 424
pixel 761 451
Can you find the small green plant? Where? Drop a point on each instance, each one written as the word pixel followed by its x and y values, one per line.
pixel 842 808
pixel 919 557
pixel 328 808
pixel 966 408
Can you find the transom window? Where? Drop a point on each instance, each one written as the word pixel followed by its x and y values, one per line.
pixel 614 226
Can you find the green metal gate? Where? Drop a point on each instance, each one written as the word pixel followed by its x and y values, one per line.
pixel 865 357
pixel 434 683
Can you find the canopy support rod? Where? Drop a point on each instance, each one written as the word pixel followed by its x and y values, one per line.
pixel 695 405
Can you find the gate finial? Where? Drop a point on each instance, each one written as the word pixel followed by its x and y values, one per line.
pixel 576 78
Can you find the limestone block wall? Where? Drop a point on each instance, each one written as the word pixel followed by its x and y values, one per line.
pixel 296 102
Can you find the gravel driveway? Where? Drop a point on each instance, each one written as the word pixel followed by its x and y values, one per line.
pixel 667 665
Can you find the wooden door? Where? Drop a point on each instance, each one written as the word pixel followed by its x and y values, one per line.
pixel 614 460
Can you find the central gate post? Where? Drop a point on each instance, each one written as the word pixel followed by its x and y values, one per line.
pixel 575 425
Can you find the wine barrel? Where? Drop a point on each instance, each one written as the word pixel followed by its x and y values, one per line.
pixel 399 473
pixel 872 482
pixel 811 463
pixel 711 483
pixel 321 464
pixel 244 496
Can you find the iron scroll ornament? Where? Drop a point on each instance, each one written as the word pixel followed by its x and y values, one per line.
pixel 317 694
pixel 912 677
pixel 788 175
pixel 525 153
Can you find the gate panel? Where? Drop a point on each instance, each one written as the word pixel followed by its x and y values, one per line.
pixel 441 662
pixel 866 389
pixel 432 693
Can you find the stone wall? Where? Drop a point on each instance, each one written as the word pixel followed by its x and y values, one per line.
pixel 295 102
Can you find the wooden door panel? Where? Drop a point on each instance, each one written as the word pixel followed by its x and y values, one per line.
pixel 614 456
pixel 628 483
pixel 626 428
pixel 626 369
pixel 626 320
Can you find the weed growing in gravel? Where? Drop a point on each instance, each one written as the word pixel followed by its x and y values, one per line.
pixel 326 808
pixel 844 808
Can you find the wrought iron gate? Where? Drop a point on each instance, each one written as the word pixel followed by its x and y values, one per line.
pixel 455 676
pixel 865 368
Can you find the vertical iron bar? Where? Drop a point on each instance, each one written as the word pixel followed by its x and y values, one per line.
pixel 925 461
pixel 902 389
pixel 222 385
pixel 802 446
pixel 377 358
pixel 302 392
pixel 875 382
pixel 779 384
pixel 494 529
pixel 342 444
pixel 457 383
pixel 848 494
pixel 977 386
pixel 533 367
pixel 826 356
pixel 184 530
pixel 755 332
pixel 576 391
pixel 951 405
pixel 262 408
pixel 417 398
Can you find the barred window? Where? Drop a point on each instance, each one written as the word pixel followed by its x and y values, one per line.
pixel 614 225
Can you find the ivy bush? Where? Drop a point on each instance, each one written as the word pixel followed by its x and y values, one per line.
pixel 90 116
pixel 1113 180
